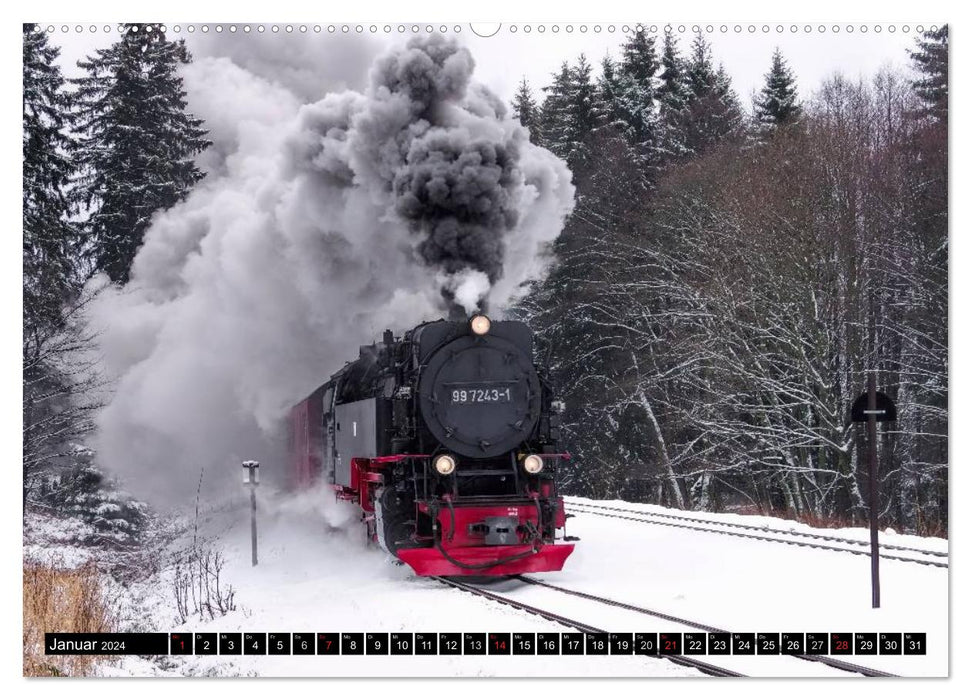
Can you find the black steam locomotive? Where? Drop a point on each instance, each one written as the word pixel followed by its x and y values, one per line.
pixel 448 441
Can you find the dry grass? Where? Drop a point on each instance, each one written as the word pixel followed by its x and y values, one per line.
pixel 818 521
pixel 61 600
pixel 923 529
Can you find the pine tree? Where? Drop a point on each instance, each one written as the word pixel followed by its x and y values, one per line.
pixel 931 62
pixel 137 141
pixel 776 105
pixel 85 492
pixel 700 72
pixel 585 110
pixel 525 109
pixel 672 95
pixel 58 382
pixel 712 112
pixel 730 117
pixel 672 92
pixel 639 61
pixel 608 91
pixel 555 114
pixel 638 93
pixel 571 111
pixel 50 240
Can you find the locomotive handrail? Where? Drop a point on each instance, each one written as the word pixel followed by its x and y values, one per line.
pixel 482 472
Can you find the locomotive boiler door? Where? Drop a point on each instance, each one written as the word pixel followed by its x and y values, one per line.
pixel 480 396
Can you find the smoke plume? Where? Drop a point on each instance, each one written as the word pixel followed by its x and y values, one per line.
pixel 318 226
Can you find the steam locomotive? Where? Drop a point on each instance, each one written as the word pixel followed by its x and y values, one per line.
pixel 448 440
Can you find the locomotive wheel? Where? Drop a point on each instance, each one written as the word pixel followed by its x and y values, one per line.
pixel 391 502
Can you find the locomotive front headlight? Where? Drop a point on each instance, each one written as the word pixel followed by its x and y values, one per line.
pixel 444 464
pixel 533 464
pixel 480 324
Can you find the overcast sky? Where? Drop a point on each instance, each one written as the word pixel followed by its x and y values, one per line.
pixel 504 58
pixel 812 56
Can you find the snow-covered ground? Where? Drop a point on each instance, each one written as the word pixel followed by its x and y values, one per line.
pixel 747 585
pixel 316 575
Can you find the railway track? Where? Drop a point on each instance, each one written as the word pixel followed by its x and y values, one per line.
pixel 765 534
pixel 703 666
pixel 828 661
pixel 760 528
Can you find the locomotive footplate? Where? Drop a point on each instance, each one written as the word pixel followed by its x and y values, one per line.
pixel 431 562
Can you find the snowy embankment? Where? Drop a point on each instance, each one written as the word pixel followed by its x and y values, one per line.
pixel 316 575
pixel 748 585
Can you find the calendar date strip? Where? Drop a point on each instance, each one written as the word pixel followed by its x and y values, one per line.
pixel 678 647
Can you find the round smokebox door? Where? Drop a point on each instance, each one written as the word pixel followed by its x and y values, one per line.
pixel 480 396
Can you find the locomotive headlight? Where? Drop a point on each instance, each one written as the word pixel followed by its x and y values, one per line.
pixel 533 464
pixel 444 464
pixel 480 324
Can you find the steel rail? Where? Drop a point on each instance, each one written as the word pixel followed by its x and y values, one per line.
pixel 649 519
pixel 703 666
pixel 759 528
pixel 834 663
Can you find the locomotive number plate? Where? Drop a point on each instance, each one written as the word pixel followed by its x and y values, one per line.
pixel 478 393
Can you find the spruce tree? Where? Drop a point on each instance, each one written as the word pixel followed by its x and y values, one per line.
pixel 58 382
pixel 672 95
pixel 639 61
pixel 585 111
pixel 525 109
pixel 571 111
pixel 700 74
pixel 672 92
pixel 776 104
pixel 555 114
pixel 50 240
pixel 608 92
pixel 931 62
pixel 638 93
pixel 712 112
pixel 137 141
pixel 729 118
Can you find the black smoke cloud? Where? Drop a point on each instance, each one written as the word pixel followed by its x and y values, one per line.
pixel 456 195
pixel 456 191
pixel 319 225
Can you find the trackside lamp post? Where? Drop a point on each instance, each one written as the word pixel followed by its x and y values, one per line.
pixel 251 476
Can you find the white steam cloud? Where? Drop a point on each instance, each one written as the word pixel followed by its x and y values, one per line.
pixel 318 226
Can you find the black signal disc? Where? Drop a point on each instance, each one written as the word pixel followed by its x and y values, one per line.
pixel 480 395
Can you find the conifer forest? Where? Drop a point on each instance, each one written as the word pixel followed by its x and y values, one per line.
pixel 731 270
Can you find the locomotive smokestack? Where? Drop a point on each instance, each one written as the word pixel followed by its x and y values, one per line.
pixel 456 311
